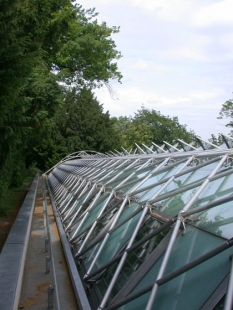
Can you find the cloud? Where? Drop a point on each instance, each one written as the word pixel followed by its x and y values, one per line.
pixel 197 13
pixel 148 66
pixel 177 58
pixel 131 98
pixel 197 109
pixel 171 10
pixel 219 12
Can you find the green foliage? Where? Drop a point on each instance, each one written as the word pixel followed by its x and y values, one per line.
pixel 79 124
pixel 226 112
pixel 14 196
pixel 216 140
pixel 82 123
pixel 46 45
pixel 150 126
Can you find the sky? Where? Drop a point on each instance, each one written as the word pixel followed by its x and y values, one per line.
pixel 177 59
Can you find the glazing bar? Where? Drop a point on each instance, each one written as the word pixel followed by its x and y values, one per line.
pixel 228 305
pixel 175 232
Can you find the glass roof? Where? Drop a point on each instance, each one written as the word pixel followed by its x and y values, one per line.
pixel 150 228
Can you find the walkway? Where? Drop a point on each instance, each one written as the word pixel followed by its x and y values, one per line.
pixel 33 269
pixel 37 280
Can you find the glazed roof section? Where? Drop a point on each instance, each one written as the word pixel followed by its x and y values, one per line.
pixel 150 223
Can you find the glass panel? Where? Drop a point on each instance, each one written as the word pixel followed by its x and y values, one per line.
pixel 93 213
pixel 80 187
pixel 137 178
pixel 137 257
pixel 220 304
pixel 181 182
pixel 114 171
pixel 130 185
pixel 137 304
pixel 174 204
pixel 134 259
pixel 104 220
pixel 181 289
pixel 145 195
pixel 217 220
pixel 78 204
pixel 216 189
pixel 123 176
pixel 108 177
pixel 117 238
pixel 105 278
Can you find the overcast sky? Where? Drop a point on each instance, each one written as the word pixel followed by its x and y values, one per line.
pixel 177 59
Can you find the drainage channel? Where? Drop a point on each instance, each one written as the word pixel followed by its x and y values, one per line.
pixel 46 280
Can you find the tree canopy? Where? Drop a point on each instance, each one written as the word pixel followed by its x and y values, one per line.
pixel 78 124
pixel 47 46
pixel 226 112
pixel 150 126
pixel 53 55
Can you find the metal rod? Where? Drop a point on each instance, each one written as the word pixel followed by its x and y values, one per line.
pixel 95 223
pixel 175 232
pixel 125 220
pixel 112 261
pixel 129 298
pixel 164 263
pixel 196 262
pixel 123 259
pixel 87 213
pixel 208 206
pixel 107 235
pixel 152 234
pixel 76 281
pixel 135 189
pixel 49 259
pixel 228 304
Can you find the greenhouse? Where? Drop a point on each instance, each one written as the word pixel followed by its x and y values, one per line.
pixel 150 228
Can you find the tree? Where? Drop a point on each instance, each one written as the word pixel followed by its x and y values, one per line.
pixel 82 123
pixel 226 112
pixel 46 45
pixel 79 124
pixel 15 66
pixel 151 126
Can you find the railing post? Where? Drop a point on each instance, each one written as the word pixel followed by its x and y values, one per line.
pixel 50 297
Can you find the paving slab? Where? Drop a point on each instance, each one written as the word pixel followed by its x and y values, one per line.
pixel 34 293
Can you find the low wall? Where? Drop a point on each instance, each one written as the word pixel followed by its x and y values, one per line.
pixel 12 257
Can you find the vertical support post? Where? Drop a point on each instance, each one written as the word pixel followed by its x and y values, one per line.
pixel 50 297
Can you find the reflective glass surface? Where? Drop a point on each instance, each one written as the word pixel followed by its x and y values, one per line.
pixel 90 216
pixel 180 290
pixel 217 220
pixel 117 238
pixel 148 191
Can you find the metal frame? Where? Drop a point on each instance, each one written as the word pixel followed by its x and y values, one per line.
pixel 105 172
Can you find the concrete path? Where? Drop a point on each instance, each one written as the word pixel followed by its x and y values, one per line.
pixel 34 293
